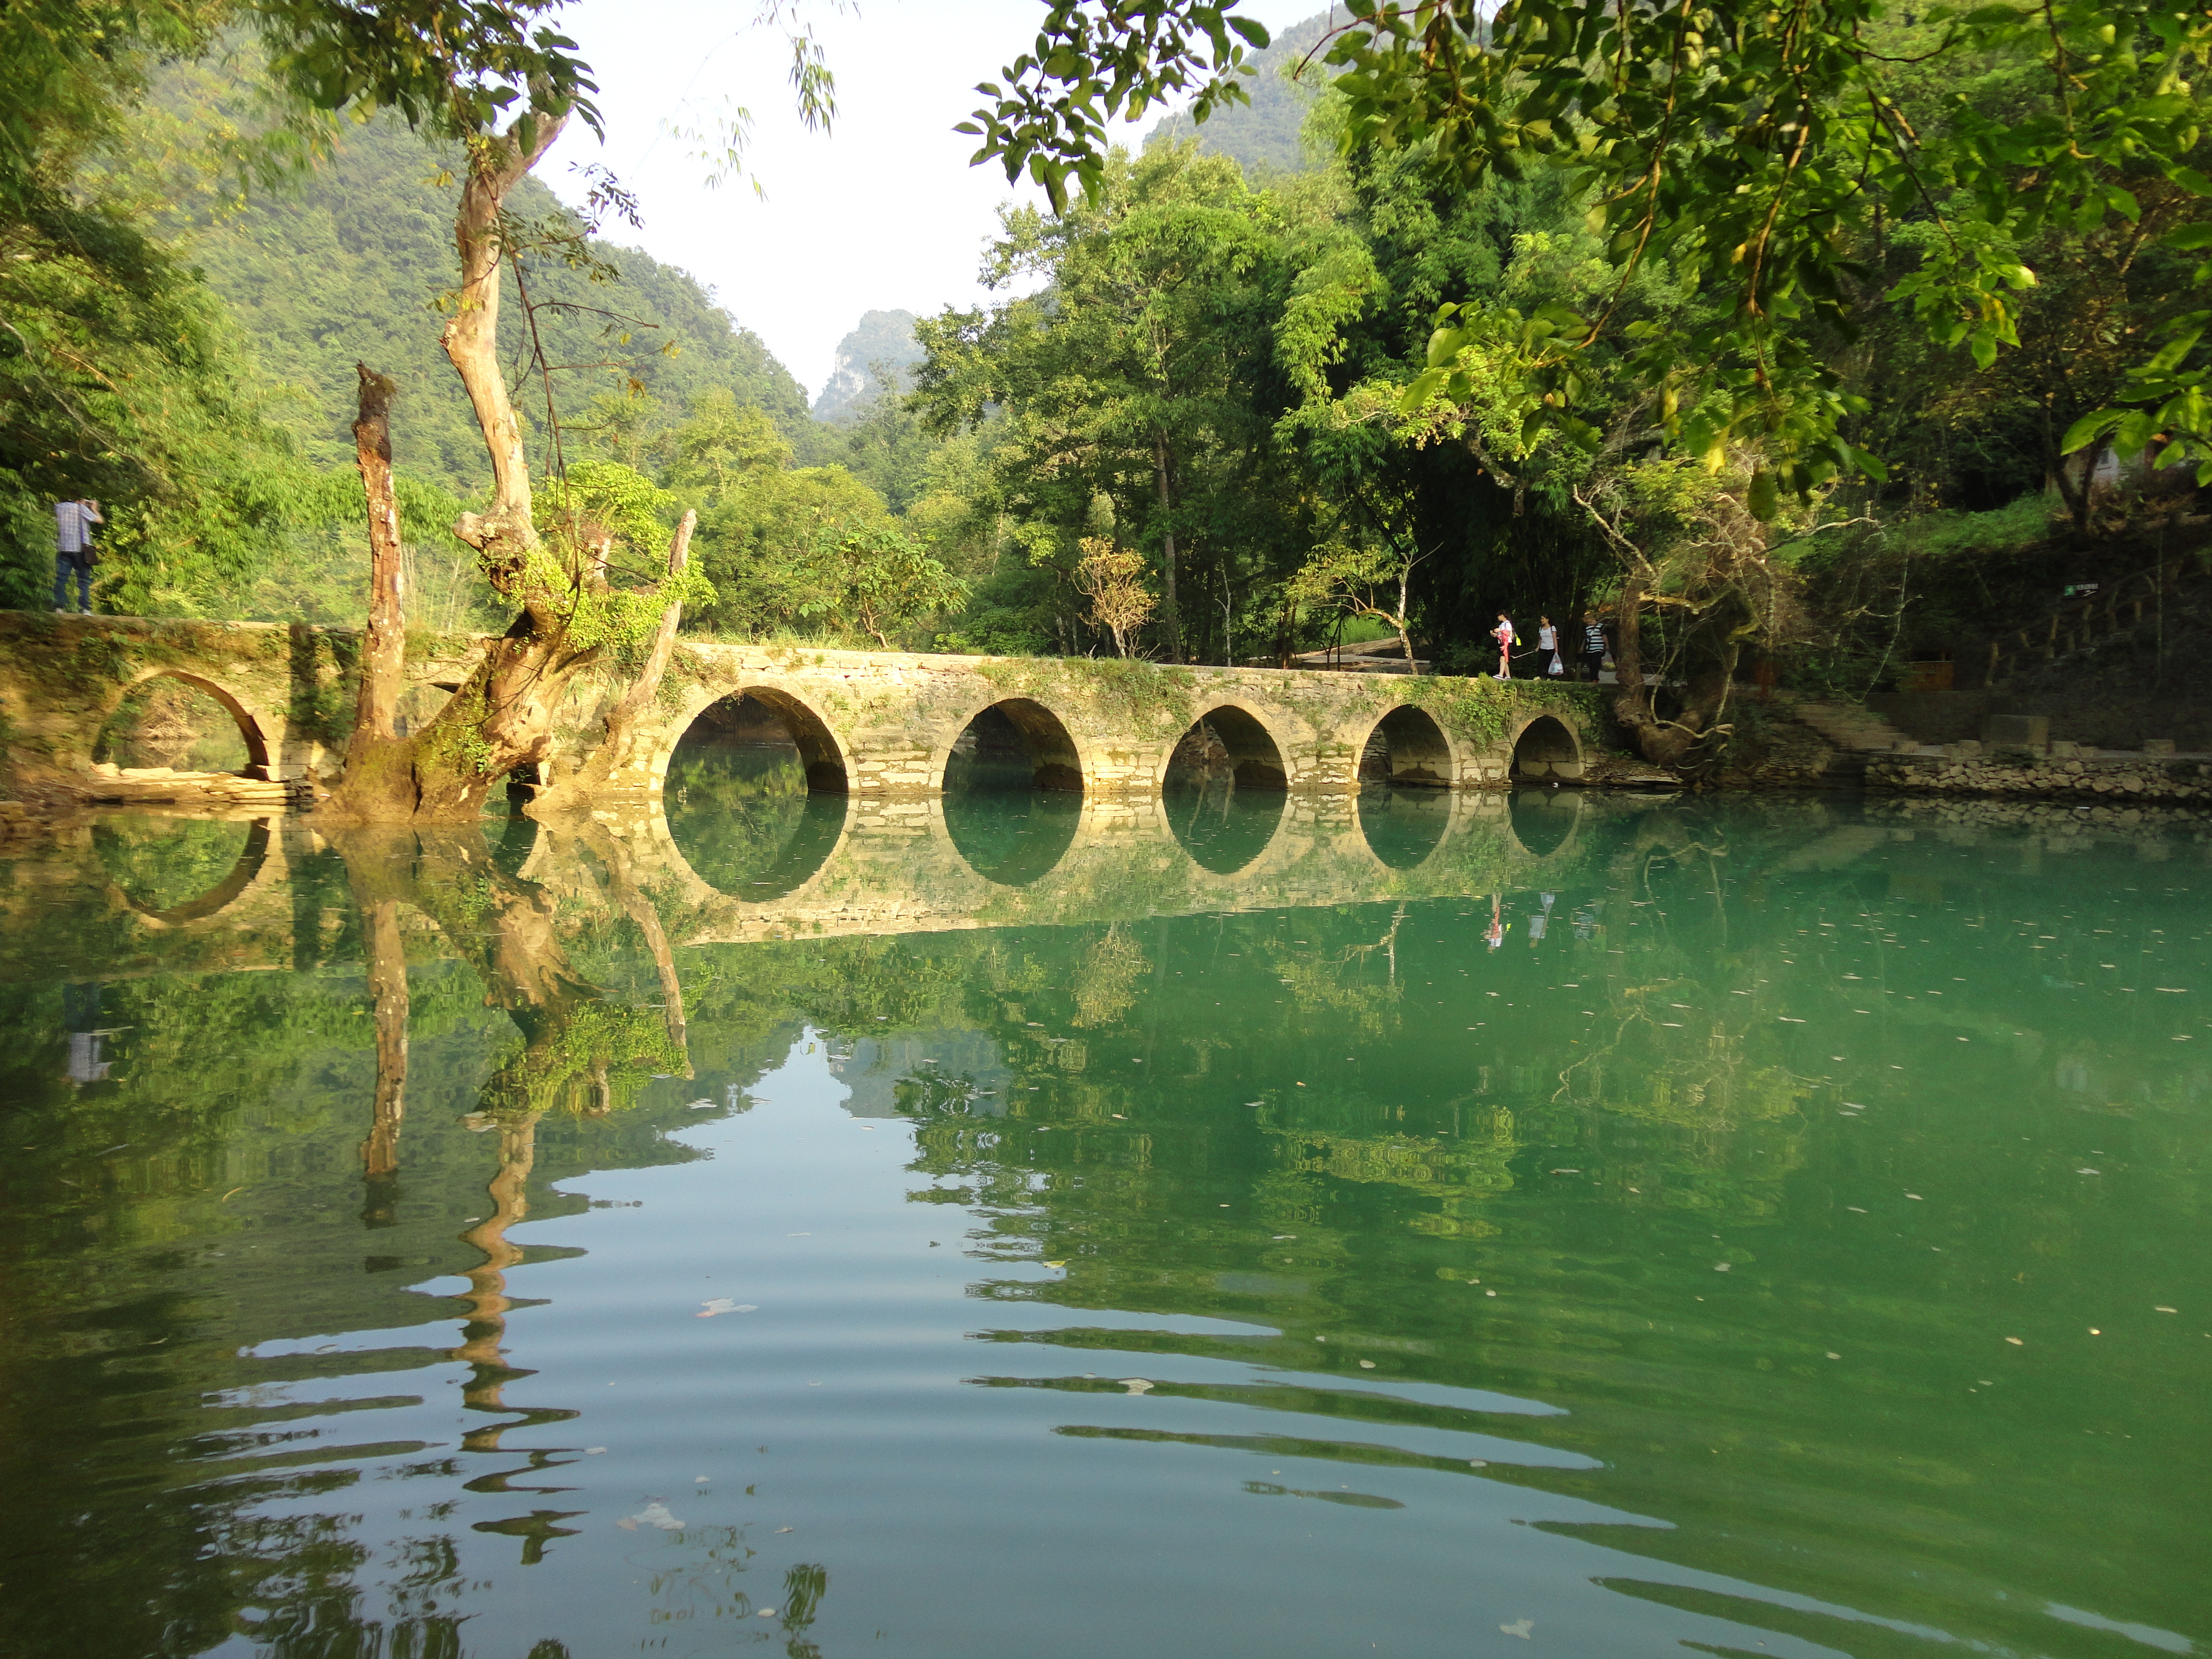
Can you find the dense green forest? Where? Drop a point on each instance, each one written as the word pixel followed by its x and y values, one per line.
pixel 1212 417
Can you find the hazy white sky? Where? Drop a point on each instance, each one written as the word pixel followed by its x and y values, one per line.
pixel 883 212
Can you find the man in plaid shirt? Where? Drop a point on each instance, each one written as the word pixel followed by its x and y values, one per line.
pixel 73 523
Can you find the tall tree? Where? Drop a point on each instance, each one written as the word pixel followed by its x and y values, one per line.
pixel 571 614
pixel 1139 377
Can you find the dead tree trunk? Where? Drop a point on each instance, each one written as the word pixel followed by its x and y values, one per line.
pixel 384 642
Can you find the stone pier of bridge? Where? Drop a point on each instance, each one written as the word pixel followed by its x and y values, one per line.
pixel 879 726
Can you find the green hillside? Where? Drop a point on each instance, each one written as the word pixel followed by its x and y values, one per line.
pixel 350 264
pixel 1262 136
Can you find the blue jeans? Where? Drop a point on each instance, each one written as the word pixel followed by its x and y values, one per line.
pixel 63 564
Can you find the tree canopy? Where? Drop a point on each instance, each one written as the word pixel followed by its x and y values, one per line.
pixel 1761 153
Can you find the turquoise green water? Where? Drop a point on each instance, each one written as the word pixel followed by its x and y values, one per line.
pixel 1598 1225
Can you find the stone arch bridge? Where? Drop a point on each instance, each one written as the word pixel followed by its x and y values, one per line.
pixel 885 726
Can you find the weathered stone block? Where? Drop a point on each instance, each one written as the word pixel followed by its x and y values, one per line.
pixel 2017 731
pixel 2158 746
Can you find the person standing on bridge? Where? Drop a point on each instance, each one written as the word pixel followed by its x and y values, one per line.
pixel 73 523
pixel 1593 645
pixel 1506 640
pixel 1547 647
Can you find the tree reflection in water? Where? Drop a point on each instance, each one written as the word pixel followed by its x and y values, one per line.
pixel 581 1052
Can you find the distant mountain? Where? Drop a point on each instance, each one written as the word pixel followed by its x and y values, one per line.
pixel 1263 136
pixel 883 337
pixel 349 265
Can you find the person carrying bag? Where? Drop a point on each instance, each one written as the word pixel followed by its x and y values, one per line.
pixel 73 553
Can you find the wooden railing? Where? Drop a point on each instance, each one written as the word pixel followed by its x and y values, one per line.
pixel 2079 623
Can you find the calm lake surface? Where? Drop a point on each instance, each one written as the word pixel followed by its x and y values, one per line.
pixel 1424 1226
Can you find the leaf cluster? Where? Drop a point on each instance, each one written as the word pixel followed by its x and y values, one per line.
pixel 1098 61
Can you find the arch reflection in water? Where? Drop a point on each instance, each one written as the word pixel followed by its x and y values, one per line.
pixel 1403 826
pixel 1546 751
pixel 756 795
pixel 1223 792
pixel 1407 747
pixel 1544 820
pixel 176 870
pixel 1013 792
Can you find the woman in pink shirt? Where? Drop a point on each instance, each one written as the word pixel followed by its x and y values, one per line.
pixel 1504 634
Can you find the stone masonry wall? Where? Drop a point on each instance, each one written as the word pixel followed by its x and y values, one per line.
pixel 2145 779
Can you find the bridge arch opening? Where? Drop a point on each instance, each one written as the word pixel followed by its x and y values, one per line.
pixel 1013 792
pixel 1224 789
pixel 176 871
pixel 1228 744
pixel 754 794
pixel 1014 745
pixel 1408 748
pixel 1545 752
pixel 771 732
pixel 182 721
